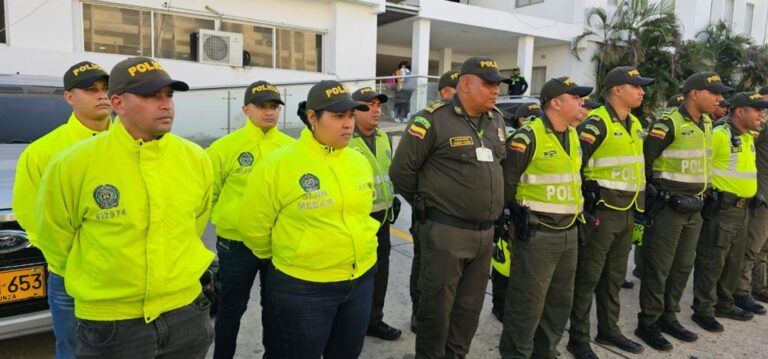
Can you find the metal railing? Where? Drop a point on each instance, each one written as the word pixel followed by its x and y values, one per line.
pixel 207 113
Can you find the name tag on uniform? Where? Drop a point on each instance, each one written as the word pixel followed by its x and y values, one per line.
pixel 484 154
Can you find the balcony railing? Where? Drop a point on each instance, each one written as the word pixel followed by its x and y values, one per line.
pixel 205 114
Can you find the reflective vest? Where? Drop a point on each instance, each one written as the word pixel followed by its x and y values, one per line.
pixel 384 190
pixel 734 169
pixel 685 160
pixel 618 163
pixel 552 181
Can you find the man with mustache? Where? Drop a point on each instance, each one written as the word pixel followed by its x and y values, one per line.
pixel 85 89
pixel 447 167
pixel 614 187
pixel 122 214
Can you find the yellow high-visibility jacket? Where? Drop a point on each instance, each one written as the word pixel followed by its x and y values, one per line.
pixel 233 157
pixel 307 207
pixel 122 219
pixel 32 164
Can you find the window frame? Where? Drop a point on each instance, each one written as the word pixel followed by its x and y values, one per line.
pixel 530 2
pixel 5 26
pixel 323 53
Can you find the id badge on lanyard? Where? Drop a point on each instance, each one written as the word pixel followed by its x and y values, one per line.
pixel 483 154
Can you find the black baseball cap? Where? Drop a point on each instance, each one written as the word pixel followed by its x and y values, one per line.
pixel 260 92
pixel 332 96
pixel 561 85
pixel 625 75
pixel 764 90
pixel 366 94
pixel 448 79
pixel 141 76
pixel 748 99
pixel 83 74
pixel 675 100
pixel 484 67
pixel 528 110
pixel 589 103
pixel 706 80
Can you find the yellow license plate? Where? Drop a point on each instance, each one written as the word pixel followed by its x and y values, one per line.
pixel 22 284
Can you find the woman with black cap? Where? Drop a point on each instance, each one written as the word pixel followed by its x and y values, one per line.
pixel 307 207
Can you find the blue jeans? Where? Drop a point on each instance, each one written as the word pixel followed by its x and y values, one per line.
pixel 183 333
pixel 319 319
pixel 237 271
pixel 62 316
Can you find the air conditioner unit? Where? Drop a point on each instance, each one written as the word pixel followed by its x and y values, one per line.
pixel 220 48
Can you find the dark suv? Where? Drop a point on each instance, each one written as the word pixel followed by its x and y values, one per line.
pixel 31 107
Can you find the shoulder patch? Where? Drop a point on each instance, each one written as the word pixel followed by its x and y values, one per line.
pixel 417 131
pixel 522 137
pixel 587 137
pixel 592 128
pixel 434 106
pixel 661 126
pixel 422 121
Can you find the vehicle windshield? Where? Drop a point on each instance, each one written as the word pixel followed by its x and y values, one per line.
pixel 29 113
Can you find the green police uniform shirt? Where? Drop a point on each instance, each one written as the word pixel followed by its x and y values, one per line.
pixel 439 156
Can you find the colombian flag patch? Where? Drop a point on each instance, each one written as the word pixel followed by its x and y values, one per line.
pixel 587 137
pixel 517 146
pixel 417 131
pixel 660 134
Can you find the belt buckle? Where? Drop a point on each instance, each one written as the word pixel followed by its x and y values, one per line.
pixel 741 203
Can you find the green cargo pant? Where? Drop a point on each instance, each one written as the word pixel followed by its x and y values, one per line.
pixel 719 255
pixel 540 294
pixel 455 265
pixel 752 278
pixel 669 249
pixel 601 270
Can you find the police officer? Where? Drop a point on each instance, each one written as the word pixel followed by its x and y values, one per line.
pixel 447 85
pixel 751 284
pixel 525 111
pixel 675 101
pixel 308 206
pixel 614 187
pixel 517 84
pixel 373 143
pixel 122 214
pixel 720 250
pixel 677 161
pixel 589 105
pixel 85 89
pixel 448 167
pixel 233 157
pixel 542 187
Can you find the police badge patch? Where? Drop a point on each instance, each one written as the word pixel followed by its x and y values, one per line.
pixel 309 182
pixel 245 159
pixel 106 196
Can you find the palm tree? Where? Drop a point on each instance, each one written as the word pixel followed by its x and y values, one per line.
pixel 640 33
pixel 720 50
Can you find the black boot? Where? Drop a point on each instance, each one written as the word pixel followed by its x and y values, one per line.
pixel 749 304
pixel 651 335
pixel 581 350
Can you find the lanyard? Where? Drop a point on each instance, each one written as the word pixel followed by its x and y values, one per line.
pixel 478 132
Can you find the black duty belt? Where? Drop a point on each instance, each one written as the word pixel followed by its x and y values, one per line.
pixel 439 216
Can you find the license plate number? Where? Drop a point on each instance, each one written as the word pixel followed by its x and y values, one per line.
pixel 21 284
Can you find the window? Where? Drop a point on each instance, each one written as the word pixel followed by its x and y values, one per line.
pixel 172 34
pixel 521 3
pixel 116 31
pixel 538 78
pixel 728 12
pixel 748 19
pixel 257 42
pixel 145 32
pixel 2 23
pixel 298 50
